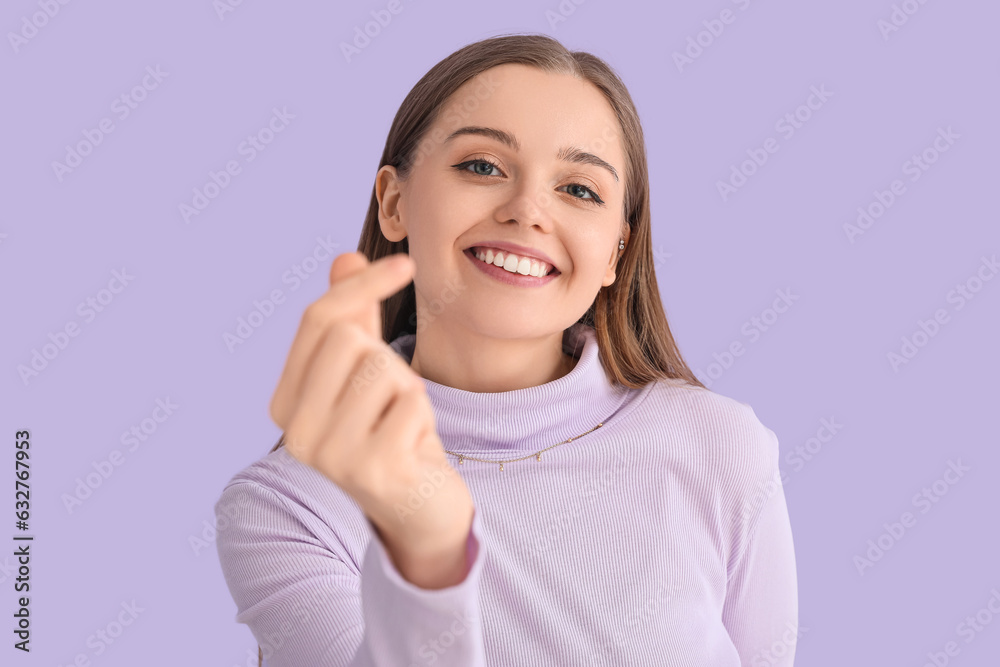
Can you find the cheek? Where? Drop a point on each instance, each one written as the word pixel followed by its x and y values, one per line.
pixel 438 194
pixel 590 249
pixel 463 206
pixel 588 268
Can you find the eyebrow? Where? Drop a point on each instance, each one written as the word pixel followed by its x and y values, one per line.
pixel 566 154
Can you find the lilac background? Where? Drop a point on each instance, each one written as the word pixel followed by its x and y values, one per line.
pixel 719 264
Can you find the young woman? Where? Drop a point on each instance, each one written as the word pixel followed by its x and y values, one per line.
pixel 494 453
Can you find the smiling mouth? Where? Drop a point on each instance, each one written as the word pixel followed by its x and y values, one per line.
pixel 550 269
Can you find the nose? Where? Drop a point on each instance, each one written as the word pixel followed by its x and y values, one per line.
pixel 529 204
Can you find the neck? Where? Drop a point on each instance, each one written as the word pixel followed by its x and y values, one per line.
pixel 480 363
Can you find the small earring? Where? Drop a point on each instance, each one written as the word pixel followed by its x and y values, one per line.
pixel 621 244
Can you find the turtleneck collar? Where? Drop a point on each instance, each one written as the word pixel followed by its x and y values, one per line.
pixel 528 419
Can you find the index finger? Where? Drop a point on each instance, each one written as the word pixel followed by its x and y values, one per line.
pixel 356 297
pixel 350 263
pixel 358 287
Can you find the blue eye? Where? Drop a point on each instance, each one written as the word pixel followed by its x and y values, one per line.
pixel 464 166
pixel 584 187
pixel 473 163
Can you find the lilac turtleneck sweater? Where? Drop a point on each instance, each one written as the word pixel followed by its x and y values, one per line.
pixel 658 539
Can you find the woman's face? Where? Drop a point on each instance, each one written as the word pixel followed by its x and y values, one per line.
pixel 559 192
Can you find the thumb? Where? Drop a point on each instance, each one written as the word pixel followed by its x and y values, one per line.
pixel 347 264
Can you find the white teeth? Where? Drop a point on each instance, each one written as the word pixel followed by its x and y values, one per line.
pixel 514 264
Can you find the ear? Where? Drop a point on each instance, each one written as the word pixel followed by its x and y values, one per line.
pixel 387 191
pixel 609 275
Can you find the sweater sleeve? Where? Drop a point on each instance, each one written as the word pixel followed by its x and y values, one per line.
pixel 306 606
pixel 761 607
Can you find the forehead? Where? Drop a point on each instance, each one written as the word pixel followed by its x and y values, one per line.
pixel 543 110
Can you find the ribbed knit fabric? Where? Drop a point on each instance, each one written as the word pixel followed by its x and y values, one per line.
pixel 661 538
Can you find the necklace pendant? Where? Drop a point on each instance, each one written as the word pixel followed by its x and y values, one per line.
pixel 461 460
pixel 501 466
pixel 538 456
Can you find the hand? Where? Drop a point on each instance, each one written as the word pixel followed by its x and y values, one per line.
pixel 354 410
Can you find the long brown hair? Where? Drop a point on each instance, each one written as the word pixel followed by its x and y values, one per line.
pixel 635 345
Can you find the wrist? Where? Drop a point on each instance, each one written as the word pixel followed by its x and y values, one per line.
pixel 430 567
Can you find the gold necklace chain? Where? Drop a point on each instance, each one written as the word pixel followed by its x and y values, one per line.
pixel 538 455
